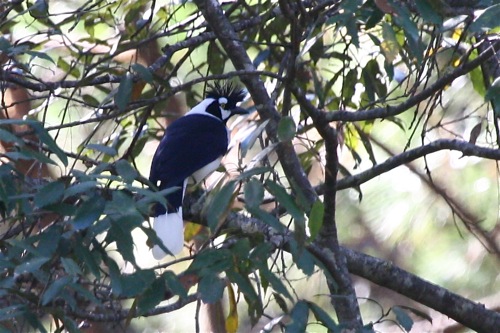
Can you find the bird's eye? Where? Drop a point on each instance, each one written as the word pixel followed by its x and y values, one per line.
pixel 223 102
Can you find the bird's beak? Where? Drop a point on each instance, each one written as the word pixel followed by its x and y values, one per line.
pixel 238 110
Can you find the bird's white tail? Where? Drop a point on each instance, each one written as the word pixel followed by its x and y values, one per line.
pixel 170 229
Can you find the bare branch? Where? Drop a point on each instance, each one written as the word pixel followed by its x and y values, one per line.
pixel 468 149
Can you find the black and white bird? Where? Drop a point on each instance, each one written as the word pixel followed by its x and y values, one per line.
pixel 190 150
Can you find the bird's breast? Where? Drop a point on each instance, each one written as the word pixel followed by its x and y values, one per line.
pixel 202 173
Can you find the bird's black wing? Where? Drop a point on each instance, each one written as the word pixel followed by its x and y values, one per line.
pixel 189 143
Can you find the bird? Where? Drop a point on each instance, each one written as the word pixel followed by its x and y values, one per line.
pixel 192 148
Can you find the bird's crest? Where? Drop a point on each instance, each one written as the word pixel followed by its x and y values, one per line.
pixel 233 93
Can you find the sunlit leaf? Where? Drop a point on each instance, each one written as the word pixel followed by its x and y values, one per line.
pixel 488 19
pixel 316 218
pixel 232 316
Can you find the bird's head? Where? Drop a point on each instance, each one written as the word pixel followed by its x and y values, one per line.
pixel 222 101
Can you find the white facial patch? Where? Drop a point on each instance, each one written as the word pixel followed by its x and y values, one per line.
pixel 224 113
pixel 223 102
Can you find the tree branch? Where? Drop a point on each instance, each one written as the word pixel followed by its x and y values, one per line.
pixel 468 149
pixel 462 310
pixel 441 83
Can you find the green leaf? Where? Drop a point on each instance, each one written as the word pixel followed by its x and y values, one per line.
pixel 89 212
pixel 90 260
pixel 219 205
pixel 72 70
pixel 151 297
pixel 124 241
pixel 70 266
pixel 126 171
pixel 173 284
pixel 487 20
pixel 299 316
pixel 253 300
pixel 114 275
pixel 5 46
pixel 275 282
pixel 70 325
pixel 254 193
pixel 286 129
pixel 323 317
pixel 122 96
pixel 493 91
pixel 80 188
pixel 31 265
pixel 211 261
pixel 216 58
pixel 29 154
pixel 7 313
pixel 143 72
pixel 39 10
pixel 403 318
pixel 46 139
pixel 476 76
pixel 49 194
pixel 110 151
pixel 286 200
pixel 85 293
pixel 493 96
pixel 428 12
pixel 267 218
pixel 316 219
pixel 48 241
pixel 280 301
pixel 7 136
pixel 211 288
pixel 41 55
pixel 34 321
pixel 54 289
pixel 302 258
pixel 417 312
